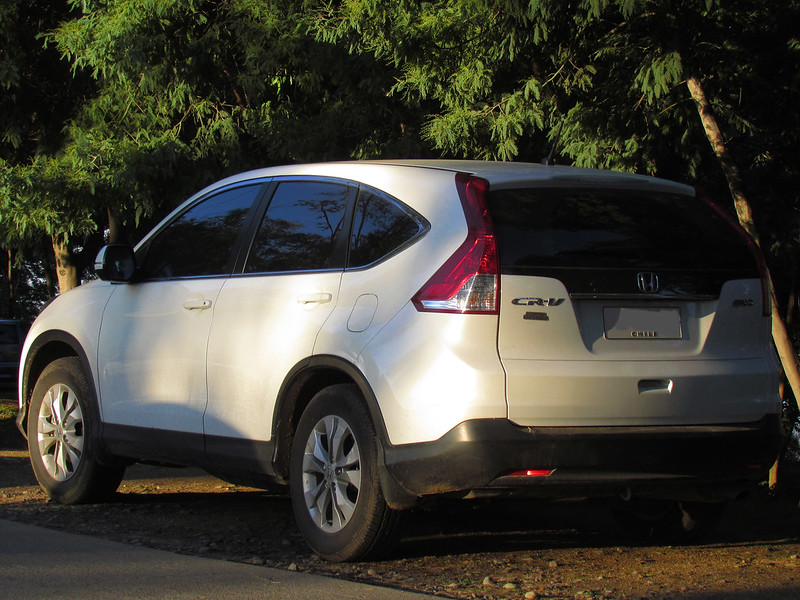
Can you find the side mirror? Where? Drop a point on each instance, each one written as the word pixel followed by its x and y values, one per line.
pixel 115 262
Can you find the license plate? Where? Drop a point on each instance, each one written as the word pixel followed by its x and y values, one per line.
pixel 625 323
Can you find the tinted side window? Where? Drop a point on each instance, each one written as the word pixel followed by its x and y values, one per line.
pixel 380 227
pixel 300 228
pixel 201 241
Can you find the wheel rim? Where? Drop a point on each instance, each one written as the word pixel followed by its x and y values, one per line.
pixel 331 474
pixel 60 432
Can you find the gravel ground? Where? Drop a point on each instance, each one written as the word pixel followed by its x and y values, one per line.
pixel 555 550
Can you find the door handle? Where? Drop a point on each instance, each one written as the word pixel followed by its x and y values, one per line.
pixel 197 304
pixel 314 298
pixel 655 385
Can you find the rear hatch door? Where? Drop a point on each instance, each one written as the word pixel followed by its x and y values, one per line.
pixel 628 307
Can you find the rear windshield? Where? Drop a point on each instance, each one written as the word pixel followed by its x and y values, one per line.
pixel 568 228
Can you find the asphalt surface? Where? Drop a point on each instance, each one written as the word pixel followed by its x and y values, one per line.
pixel 37 563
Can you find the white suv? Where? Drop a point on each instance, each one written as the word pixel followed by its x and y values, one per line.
pixel 378 333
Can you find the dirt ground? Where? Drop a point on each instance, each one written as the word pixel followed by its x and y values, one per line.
pixel 530 550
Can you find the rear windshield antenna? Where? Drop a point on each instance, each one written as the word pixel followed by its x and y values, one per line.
pixel 548 160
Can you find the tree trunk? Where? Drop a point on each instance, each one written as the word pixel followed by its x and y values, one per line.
pixel 66 269
pixel 114 229
pixel 49 273
pixel 773 472
pixel 786 351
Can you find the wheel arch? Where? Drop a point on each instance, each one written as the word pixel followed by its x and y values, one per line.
pixel 47 347
pixel 304 380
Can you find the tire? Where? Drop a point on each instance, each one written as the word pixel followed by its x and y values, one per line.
pixel 63 437
pixel 668 520
pixel 334 479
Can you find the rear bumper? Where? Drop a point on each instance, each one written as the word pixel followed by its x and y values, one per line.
pixel 700 462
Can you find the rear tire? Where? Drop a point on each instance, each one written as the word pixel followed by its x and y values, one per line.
pixel 63 437
pixel 334 479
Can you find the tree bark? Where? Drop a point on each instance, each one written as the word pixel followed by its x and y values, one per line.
pixel 786 351
pixel 66 269
pixel 729 167
pixel 114 230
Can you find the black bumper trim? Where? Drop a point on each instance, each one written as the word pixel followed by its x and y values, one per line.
pixel 480 454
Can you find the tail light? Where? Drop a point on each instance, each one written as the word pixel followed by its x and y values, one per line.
pixel 766 287
pixel 469 281
pixel 531 473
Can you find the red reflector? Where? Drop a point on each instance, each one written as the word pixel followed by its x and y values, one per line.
pixel 531 473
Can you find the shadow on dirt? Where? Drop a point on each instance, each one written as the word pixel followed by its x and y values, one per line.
pixel 160 502
pixel 511 526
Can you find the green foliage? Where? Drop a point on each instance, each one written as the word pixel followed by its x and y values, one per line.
pixel 36 92
pixel 44 196
pixel 170 95
pixel 467 57
pixel 141 102
pixel 214 86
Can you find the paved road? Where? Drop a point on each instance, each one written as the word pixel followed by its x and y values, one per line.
pixel 38 563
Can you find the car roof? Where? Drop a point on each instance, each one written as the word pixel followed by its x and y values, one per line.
pixel 499 174
pixel 503 174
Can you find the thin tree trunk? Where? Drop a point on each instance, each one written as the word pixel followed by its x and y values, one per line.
pixel 49 272
pixel 114 231
pixel 66 269
pixel 786 351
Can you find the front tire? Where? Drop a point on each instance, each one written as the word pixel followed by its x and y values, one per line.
pixel 334 479
pixel 63 437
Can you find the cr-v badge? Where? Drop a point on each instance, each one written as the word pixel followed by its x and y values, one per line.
pixel 538 301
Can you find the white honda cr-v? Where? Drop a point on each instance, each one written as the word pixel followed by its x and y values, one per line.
pixel 374 334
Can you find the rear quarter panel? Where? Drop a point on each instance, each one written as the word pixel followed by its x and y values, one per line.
pixel 428 371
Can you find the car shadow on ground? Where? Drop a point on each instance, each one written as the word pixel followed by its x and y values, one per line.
pixel 155 498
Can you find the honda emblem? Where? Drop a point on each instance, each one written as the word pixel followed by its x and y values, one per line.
pixel 647 282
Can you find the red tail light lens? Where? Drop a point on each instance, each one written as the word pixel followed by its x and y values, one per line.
pixel 469 281
pixel 766 288
pixel 531 473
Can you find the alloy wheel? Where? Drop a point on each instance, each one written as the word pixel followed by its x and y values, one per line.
pixel 331 473
pixel 60 432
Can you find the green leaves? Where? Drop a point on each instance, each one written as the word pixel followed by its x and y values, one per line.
pixel 658 75
pixel 44 196
pixel 134 104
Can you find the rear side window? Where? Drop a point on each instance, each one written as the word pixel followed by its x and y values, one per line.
pixel 381 227
pixel 300 229
pixel 612 229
